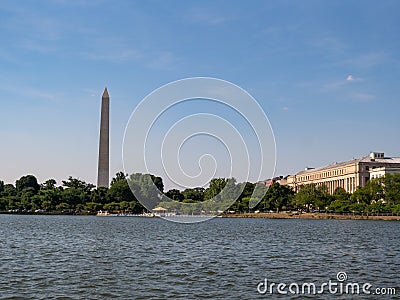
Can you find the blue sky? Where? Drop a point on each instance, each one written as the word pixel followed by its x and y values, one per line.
pixel 325 73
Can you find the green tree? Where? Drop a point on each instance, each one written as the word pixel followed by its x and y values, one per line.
pixel 341 194
pixel 111 207
pixel 9 190
pixel 248 189
pixel 377 207
pixel 119 176
pixel 196 194
pixel 277 197
pixel 62 206
pixel 1 187
pixel 391 185
pixel 72 197
pixel 148 188
pixel 396 209
pixel 215 187
pixel 3 204
pixel 100 195
pixel 50 198
pixel 306 196
pixel 28 181
pixel 120 191
pixel 175 194
pixel 314 196
pixel 341 201
pixel 323 199
pixel 78 184
pixel 231 191
pixel 93 206
pixel 49 184
pixel 373 190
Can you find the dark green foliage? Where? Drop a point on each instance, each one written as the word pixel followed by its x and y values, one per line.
pixel 27 182
pixel 215 187
pixel 195 194
pixel 277 197
pixel 78 184
pixel 119 176
pixel 9 190
pixel 120 191
pixel 311 196
pixel 175 194
pixel 391 183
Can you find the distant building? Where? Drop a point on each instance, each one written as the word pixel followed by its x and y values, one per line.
pixel 381 172
pixel 269 182
pixel 348 175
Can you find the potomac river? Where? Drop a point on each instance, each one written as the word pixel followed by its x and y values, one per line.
pixel 88 257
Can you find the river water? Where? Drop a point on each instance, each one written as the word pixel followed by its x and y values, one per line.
pixel 85 257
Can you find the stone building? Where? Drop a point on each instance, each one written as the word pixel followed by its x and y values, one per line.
pixel 348 175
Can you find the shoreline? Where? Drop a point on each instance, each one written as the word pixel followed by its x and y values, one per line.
pixel 312 216
pixel 280 215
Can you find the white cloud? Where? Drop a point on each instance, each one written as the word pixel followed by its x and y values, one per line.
pixel 285 108
pixel 352 78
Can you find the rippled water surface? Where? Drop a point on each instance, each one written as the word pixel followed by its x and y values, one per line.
pixel 71 257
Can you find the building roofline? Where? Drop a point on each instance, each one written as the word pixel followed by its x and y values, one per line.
pixel 364 159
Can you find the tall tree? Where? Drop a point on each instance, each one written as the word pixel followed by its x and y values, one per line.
pixel 1 186
pixel 9 190
pixel 391 184
pixel 28 181
pixel 215 187
pixel 277 196
pixel 175 194
pixel 78 184
pixel 119 176
pixel 195 194
pixel 120 191
pixel 310 195
pixel 372 190
pixel 48 184
pixel 148 188
pixel 100 195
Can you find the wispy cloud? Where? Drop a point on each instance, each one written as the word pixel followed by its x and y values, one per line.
pixel 340 83
pixel 353 78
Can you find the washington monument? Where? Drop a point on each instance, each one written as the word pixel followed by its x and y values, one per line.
pixel 103 171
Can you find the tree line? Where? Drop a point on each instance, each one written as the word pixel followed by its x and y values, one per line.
pixel 73 196
pixel 380 195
